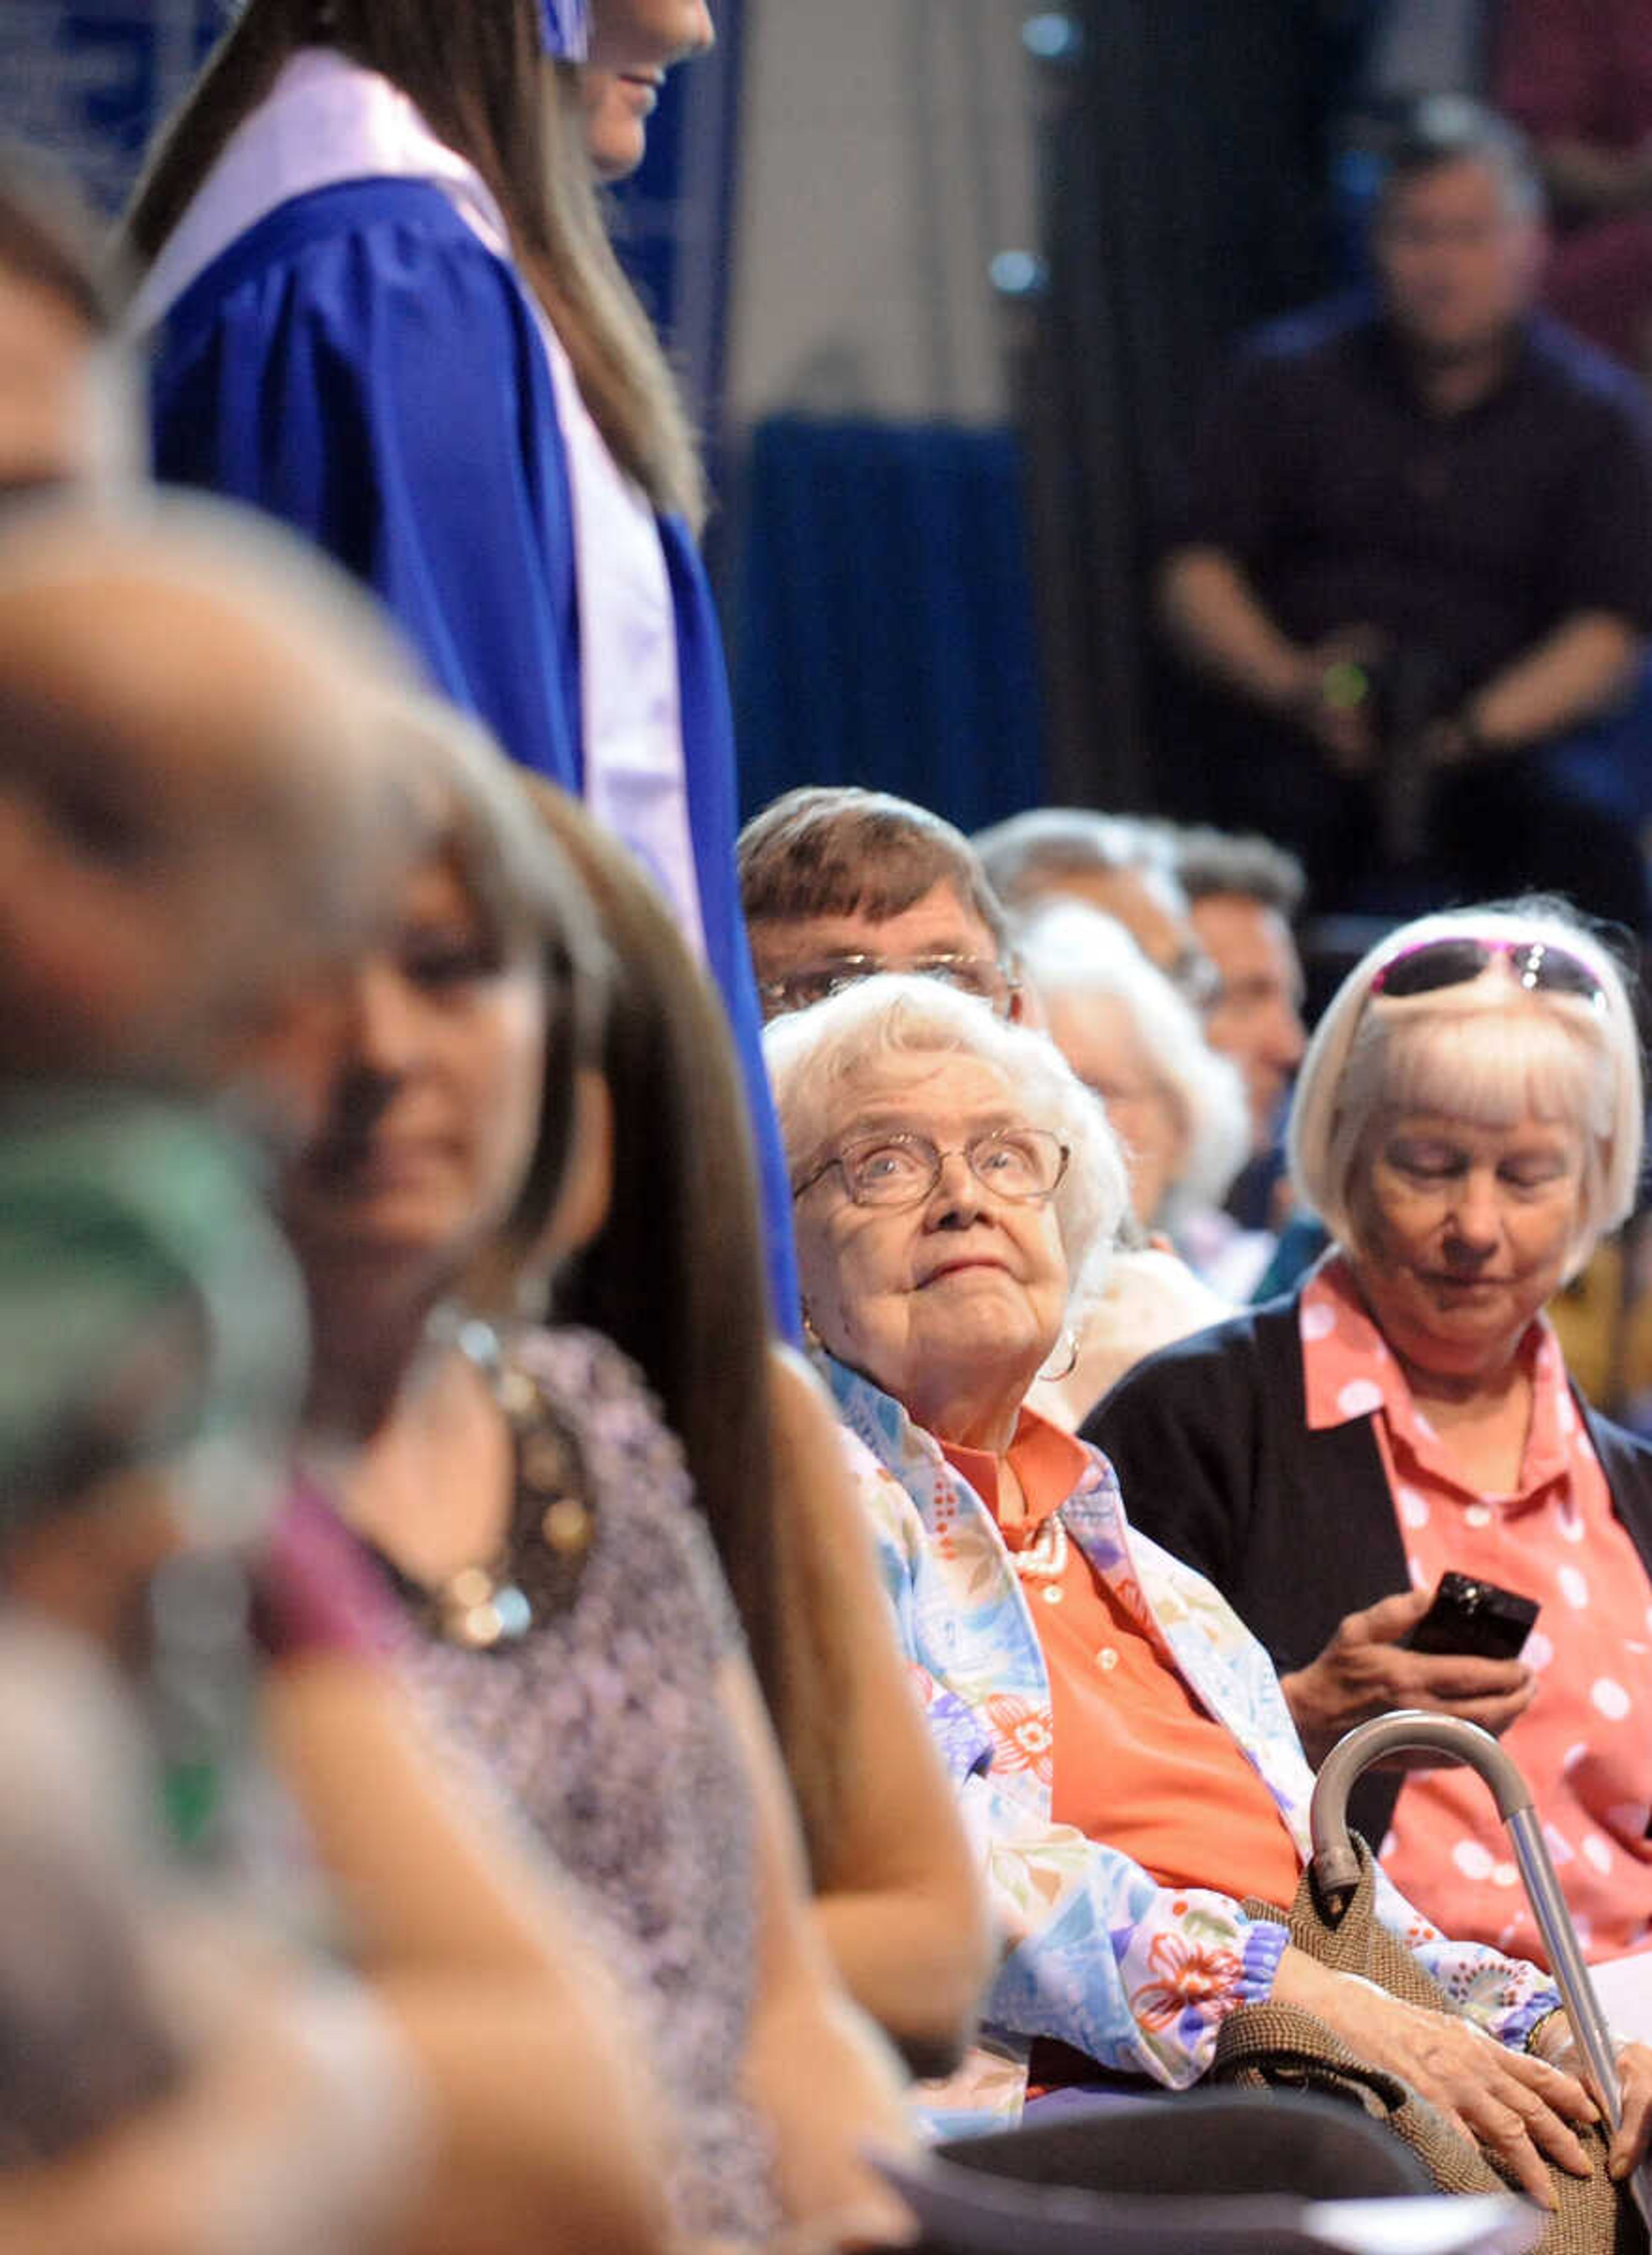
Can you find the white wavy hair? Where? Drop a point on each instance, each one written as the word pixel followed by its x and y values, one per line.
pixel 1070 951
pixel 815 1056
pixel 1489 1052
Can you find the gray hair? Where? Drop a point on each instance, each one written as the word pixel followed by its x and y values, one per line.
pixel 1021 855
pixel 1488 1051
pixel 1216 863
pixel 1071 950
pixel 1451 129
pixel 815 1056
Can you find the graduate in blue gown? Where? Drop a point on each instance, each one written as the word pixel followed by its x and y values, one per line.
pixel 383 307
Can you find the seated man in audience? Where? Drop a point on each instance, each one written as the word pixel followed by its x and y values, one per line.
pixel 1114 862
pixel 1242 894
pixel 68 404
pixel 838 883
pixel 1416 559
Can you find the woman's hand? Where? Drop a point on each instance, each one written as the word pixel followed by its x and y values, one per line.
pixel 1553 2042
pixel 1365 1670
pixel 1519 2109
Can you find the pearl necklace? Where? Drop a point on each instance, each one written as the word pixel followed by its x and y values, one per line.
pixel 1045 1558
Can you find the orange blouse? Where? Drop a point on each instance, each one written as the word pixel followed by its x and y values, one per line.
pixel 1583 1743
pixel 1138 1762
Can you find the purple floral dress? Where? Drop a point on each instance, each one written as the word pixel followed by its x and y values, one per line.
pixel 601 1726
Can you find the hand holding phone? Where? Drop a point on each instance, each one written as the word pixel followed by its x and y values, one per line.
pixel 1468 1615
pixel 1371 1665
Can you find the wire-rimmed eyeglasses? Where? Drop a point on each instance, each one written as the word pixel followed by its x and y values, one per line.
pixel 1023 1165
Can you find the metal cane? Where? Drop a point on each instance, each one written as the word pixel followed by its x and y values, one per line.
pixel 1336 1868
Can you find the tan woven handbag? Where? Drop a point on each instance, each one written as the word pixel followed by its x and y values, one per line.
pixel 1281 2048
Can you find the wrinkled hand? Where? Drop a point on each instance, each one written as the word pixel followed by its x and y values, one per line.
pixel 1518 2108
pixel 1365 1671
pixel 1629 2139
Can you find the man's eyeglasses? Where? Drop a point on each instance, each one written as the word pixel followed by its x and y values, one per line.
pixel 1536 964
pixel 813 982
pixel 1195 977
pixel 1024 1165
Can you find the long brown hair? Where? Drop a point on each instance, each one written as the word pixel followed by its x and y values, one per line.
pixel 677 1279
pixel 475 71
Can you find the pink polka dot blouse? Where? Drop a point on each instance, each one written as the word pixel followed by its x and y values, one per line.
pixel 1585 1742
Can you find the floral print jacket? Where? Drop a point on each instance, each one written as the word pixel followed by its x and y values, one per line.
pixel 1096 1953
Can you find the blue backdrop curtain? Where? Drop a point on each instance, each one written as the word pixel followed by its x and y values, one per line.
pixel 88 81
pixel 1183 196
pixel 883 619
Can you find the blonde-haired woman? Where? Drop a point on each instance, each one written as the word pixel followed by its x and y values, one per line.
pixel 384 308
pixel 1468 1120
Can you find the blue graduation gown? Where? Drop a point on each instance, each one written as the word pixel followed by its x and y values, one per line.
pixel 361 365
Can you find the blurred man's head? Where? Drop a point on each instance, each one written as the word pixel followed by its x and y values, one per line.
pixel 839 883
pixel 1112 862
pixel 1242 894
pixel 68 409
pixel 1459 237
pixel 201 811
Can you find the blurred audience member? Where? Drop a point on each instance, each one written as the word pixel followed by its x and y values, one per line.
pixel 1118 864
pixel 564 1614
pixel 68 401
pixel 200 806
pixel 1178 1108
pixel 150 1366
pixel 1242 896
pixel 674 1279
pixel 838 884
pixel 212 779
pixel 1578 76
pixel 1417 558
pixel 1179 1112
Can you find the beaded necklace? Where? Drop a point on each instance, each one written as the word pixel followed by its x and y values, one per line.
pixel 535 1574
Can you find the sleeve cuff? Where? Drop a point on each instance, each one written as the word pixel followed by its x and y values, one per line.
pixel 1519 2027
pixel 1265 1944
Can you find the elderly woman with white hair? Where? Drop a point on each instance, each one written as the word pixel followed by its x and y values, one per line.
pixel 1117 1739
pixel 1178 1108
pixel 1179 1112
pixel 1468 1121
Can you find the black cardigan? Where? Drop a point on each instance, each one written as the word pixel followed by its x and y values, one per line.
pixel 1211 1442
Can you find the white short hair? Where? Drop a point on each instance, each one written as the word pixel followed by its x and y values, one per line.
pixel 1490 1051
pixel 813 1056
pixel 1070 951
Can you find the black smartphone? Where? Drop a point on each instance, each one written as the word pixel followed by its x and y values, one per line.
pixel 1475 1617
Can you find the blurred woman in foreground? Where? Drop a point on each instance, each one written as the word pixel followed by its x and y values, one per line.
pixel 564 1615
